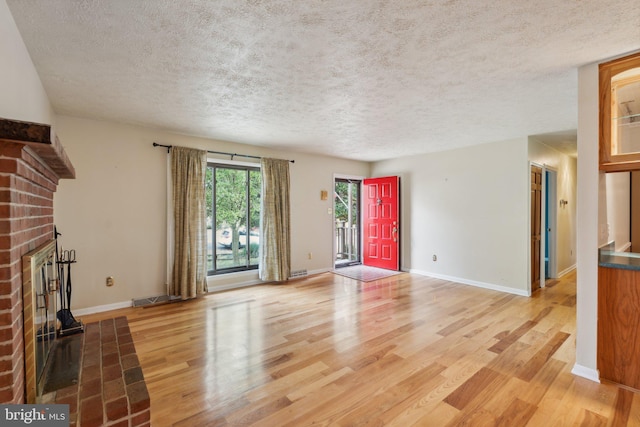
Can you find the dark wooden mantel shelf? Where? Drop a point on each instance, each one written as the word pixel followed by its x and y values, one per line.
pixel 42 140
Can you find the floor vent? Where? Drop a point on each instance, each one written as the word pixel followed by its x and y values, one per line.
pixel 161 299
pixel 298 273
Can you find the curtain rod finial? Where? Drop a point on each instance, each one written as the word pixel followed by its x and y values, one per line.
pixel 168 147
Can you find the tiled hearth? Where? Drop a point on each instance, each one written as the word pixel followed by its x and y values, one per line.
pixel 111 390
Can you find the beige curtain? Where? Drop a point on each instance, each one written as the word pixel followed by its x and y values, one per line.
pixel 275 240
pixel 189 276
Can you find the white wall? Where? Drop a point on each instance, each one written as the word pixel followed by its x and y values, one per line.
pixel 22 95
pixel 469 207
pixel 567 180
pixel 618 212
pixel 589 182
pixel 114 212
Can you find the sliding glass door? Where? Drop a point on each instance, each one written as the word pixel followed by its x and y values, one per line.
pixel 233 217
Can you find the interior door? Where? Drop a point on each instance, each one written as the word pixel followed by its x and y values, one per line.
pixel 381 227
pixel 536 216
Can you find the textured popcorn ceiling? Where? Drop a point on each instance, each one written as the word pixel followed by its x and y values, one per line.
pixel 362 79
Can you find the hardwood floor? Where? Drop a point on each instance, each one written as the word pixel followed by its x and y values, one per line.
pixel 406 350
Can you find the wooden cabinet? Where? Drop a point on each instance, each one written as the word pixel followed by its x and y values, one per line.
pixel 619 326
pixel 620 114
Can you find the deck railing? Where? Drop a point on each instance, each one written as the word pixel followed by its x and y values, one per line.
pixel 347 241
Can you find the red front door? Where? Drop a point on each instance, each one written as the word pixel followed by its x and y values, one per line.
pixel 381 222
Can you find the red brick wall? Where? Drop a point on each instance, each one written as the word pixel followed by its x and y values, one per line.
pixel 26 221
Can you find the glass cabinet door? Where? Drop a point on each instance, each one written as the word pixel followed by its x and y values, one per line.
pixel 620 114
pixel 625 112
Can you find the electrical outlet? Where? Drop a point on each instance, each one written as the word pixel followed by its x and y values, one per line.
pixel 110 281
pixel 310 255
pixel 435 257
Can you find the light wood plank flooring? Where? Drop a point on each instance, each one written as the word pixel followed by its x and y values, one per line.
pixel 406 350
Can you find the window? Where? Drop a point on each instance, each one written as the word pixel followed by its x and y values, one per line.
pixel 233 217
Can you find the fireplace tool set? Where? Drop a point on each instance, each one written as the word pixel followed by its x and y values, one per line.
pixel 68 324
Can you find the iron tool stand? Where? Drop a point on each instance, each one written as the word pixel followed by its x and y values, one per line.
pixel 68 324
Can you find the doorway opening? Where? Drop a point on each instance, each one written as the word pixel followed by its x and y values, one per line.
pixel 544 216
pixel 346 208
pixel 550 222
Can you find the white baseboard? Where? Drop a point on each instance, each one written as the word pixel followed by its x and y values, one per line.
pixel 101 308
pixel 567 270
pixel 584 372
pixel 320 271
pixel 475 283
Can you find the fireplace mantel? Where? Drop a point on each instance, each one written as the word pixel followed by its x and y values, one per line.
pixel 32 161
pixel 42 140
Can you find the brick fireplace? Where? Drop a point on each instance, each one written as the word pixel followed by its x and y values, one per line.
pixel 32 161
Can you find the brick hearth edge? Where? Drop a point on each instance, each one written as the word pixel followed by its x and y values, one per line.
pixel 111 389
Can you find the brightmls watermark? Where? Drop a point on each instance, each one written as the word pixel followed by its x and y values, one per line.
pixel 34 415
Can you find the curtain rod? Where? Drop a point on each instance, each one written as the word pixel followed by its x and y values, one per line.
pixel 168 147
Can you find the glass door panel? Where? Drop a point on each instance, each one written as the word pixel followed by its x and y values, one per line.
pixel 347 226
pixel 233 218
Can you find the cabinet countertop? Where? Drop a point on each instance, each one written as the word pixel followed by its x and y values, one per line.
pixel 623 260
